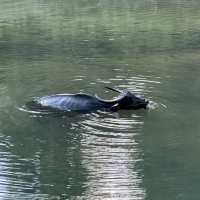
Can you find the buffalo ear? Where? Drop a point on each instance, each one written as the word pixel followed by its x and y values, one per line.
pixel 115 107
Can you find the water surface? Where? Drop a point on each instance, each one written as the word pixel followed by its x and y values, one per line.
pixel 149 47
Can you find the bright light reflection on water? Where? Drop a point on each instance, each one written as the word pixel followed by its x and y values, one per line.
pixel 111 157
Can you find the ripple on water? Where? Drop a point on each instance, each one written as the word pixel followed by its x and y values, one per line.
pixel 110 145
pixel 110 153
pixel 15 182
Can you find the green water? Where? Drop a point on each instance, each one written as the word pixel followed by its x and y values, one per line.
pixel 151 47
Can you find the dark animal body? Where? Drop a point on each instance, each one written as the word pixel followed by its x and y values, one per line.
pixel 86 103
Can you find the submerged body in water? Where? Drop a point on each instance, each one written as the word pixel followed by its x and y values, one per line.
pixel 85 103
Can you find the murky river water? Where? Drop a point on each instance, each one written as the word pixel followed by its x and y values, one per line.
pixel 151 47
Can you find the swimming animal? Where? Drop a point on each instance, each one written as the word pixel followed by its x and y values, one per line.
pixel 81 102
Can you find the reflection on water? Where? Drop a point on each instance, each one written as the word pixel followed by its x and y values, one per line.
pixel 148 47
pixel 16 179
pixel 111 154
pixel 95 155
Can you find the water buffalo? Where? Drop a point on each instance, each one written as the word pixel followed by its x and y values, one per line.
pixel 85 103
